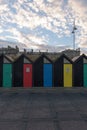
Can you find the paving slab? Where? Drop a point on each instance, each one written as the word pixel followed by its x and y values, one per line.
pixel 12 125
pixel 43 109
pixel 41 125
pixel 73 125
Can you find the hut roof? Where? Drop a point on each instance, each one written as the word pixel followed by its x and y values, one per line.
pixel 65 56
pixel 53 57
pixel 77 58
pixel 45 56
pixel 33 57
pixel 7 57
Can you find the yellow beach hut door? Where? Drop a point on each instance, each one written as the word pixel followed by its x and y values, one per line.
pixel 67 75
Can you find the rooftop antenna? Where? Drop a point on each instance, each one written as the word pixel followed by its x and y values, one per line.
pixel 73 32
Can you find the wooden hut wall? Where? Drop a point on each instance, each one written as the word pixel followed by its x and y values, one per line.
pixel 18 73
pixel 38 72
pixel 78 73
pixel 58 73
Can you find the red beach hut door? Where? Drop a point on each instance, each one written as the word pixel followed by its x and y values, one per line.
pixel 27 80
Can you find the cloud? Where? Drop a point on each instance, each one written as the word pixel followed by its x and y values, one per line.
pixel 79 11
pixel 52 15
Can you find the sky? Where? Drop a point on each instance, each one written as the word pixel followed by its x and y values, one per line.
pixel 44 25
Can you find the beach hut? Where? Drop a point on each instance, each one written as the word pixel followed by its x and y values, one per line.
pixel 63 72
pixel 23 72
pixel 43 72
pixel 80 71
pixel 5 71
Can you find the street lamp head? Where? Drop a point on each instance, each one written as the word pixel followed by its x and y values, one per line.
pixel 73 31
pixel 75 28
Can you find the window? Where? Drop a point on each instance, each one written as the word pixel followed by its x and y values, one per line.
pixel 27 69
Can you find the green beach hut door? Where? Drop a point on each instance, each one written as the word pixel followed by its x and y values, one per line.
pixel 85 72
pixel 7 74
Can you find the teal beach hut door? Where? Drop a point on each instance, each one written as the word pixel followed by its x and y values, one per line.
pixel 7 73
pixel 85 72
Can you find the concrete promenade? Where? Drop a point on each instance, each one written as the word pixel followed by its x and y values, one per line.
pixel 43 109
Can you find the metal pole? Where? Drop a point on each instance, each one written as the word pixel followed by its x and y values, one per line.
pixel 74 40
pixel 74 28
pixel 74 36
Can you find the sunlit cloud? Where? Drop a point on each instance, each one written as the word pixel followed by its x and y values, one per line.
pixel 46 16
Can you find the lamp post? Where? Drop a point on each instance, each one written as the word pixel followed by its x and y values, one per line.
pixel 73 32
